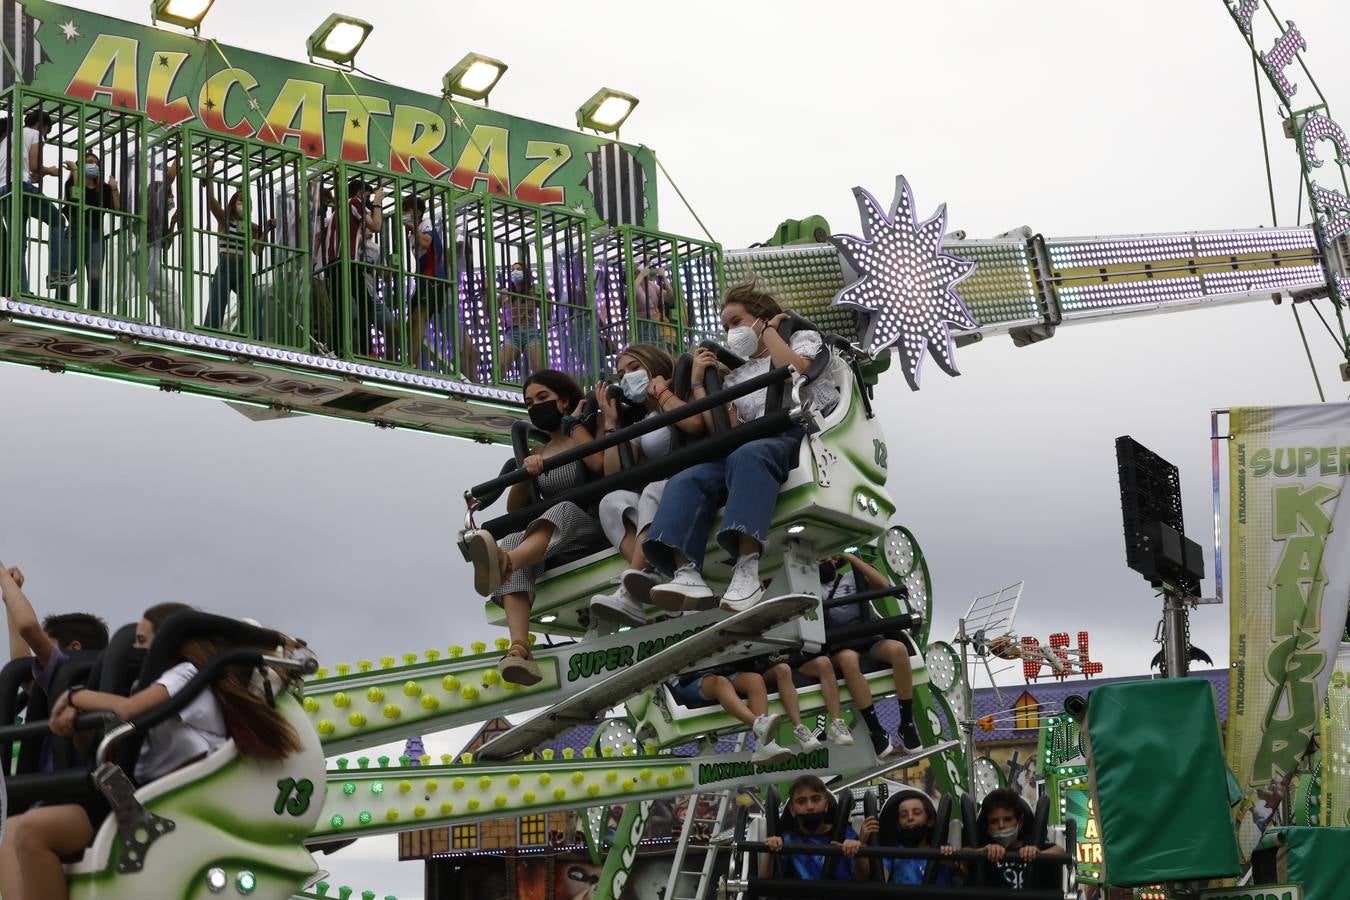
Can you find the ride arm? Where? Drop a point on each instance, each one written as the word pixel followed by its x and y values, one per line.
pixel 25 631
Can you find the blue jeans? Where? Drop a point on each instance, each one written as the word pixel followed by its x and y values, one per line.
pixel 747 480
pixel 37 205
pixel 229 278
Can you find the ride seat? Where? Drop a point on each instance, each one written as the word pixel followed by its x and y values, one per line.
pixel 837 481
pixel 224 810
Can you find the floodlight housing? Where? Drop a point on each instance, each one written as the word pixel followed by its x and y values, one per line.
pixel 338 39
pixel 183 13
pixel 474 76
pixel 606 111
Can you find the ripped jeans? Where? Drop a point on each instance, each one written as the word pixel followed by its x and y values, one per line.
pixel 747 480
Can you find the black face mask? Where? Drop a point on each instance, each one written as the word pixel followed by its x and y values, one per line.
pixel 811 821
pixel 827 572
pixel 913 835
pixel 546 416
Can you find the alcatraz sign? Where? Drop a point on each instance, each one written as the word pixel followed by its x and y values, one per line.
pixel 1330 207
pixel 325 113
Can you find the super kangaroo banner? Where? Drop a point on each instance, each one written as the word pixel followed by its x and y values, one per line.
pixel 1290 578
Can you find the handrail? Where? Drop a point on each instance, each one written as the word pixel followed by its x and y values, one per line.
pixel 899 591
pixel 649 470
pixel 1052 857
pixel 876 627
pixel 646 426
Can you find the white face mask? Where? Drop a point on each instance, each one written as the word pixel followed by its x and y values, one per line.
pixel 743 341
pixel 635 385
pixel 1004 836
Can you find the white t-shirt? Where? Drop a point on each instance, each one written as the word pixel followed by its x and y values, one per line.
pixel 655 443
pixel 31 138
pixel 199 729
pixel 823 390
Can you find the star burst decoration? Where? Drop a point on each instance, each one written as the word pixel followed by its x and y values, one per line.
pixel 905 282
pixel 70 31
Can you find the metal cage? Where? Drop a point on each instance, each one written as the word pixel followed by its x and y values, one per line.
pixel 76 246
pixel 543 317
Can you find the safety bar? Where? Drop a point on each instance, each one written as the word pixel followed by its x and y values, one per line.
pixel 649 470
pixel 1052 857
pixel 646 426
pixel 40 728
pixel 898 591
pixel 876 628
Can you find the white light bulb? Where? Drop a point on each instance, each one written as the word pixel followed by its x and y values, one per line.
pixel 344 38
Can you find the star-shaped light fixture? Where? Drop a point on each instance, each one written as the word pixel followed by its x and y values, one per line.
pixel 904 282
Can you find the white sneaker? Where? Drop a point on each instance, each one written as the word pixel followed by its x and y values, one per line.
pixel 618 606
pixel 745 589
pixel 767 749
pixel 839 733
pixel 639 584
pixel 687 585
pixel 805 738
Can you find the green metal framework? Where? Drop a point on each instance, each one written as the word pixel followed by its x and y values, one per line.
pixel 418 284
pixel 70 232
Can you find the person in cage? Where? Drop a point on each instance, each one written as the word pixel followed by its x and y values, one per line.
pixel 99 194
pixel 522 337
pixel 365 217
pixel 231 275
pixel 655 298
pixel 507 570
pixel 428 295
pixel 37 125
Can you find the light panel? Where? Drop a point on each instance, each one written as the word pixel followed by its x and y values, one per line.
pixel 904 282
pixel 184 13
pixel 338 39
pixel 474 76
pixel 606 111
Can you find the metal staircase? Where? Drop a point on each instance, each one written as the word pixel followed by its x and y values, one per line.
pixel 692 883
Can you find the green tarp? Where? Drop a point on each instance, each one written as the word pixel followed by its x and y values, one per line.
pixel 1159 780
pixel 1315 857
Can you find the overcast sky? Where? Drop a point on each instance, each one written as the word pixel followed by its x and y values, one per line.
pixel 1072 117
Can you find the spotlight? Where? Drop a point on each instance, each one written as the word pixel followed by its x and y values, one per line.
pixel 338 39
pixel 606 111
pixel 183 13
pixel 474 76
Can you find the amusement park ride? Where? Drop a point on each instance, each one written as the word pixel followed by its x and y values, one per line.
pixel 269 312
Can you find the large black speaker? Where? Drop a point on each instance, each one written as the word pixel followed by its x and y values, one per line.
pixel 1156 545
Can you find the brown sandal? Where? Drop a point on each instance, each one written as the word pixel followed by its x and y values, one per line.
pixel 518 665
pixel 486 559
